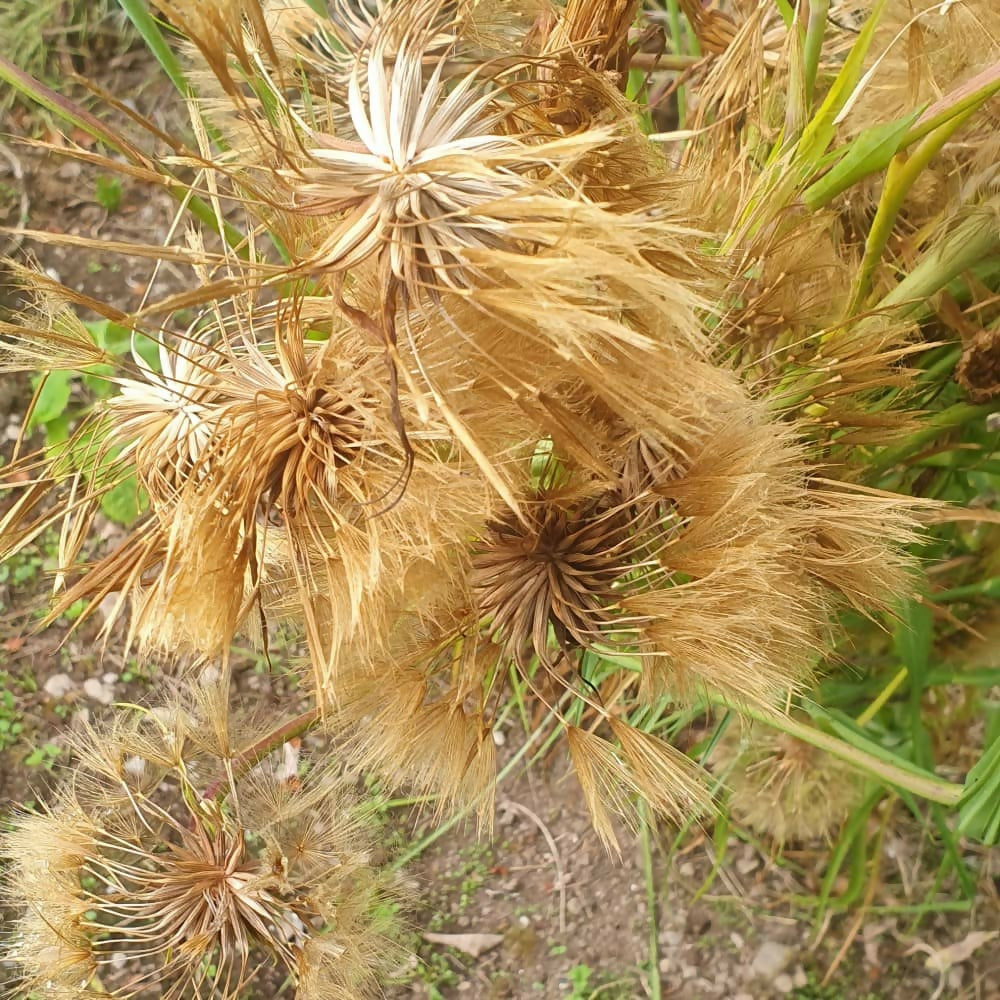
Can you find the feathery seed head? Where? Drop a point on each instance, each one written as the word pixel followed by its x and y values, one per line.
pixel 152 873
pixel 564 569
pixel 784 788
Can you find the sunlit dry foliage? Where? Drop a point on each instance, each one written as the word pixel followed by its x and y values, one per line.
pixel 509 404
pixel 266 459
pixel 185 865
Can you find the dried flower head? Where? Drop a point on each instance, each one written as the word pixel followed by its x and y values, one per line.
pixel 272 465
pixel 142 876
pixel 786 789
pixel 563 571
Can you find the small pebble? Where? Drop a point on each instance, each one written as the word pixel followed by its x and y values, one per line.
pixel 737 940
pixel 686 870
pixel 524 920
pixel 59 685
pixel 771 958
pixel 671 938
pixel 96 691
pixel 799 977
pixel 689 971
pixel 783 983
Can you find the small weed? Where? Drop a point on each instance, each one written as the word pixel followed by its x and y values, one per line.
pixel 109 193
pixel 44 756
pixel 579 978
pixel 11 725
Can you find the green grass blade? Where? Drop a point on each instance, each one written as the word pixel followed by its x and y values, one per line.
pixel 979 807
pixel 868 153
pixel 149 30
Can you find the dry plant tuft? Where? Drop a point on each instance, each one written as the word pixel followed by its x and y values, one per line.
pixel 521 407
pixel 785 789
pixel 170 858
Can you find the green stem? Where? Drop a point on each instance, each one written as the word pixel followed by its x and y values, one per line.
pixel 954 416
pixel 925 785
pixel 884 695
pixel 900 178
pixel 248 759
pixel 971 243
pixel 649 877
pixel 677 34
pixel 815 29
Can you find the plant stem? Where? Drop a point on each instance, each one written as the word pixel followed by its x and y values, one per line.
pixel 815 29
pixel 925 785
pixel 884 695
pixel 247 759
pixel 649 877
pixel 677 35
pixel 954 416
pixel 900 178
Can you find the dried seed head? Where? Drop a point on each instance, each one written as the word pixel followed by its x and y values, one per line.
pixel 140 867
pixel 164 420
pixel 565 569
pixel 784 788
pixel 420 185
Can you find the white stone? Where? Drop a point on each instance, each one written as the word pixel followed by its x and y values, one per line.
pixel 771 958
pixel 96 691
pixel 783 983
pixel 59 685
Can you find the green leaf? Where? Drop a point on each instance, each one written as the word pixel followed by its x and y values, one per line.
pixel 866 154
pixel 122 503
pixel 121 341
pixel 57 430
pixel 109 193
pixel 148 27
pixel 912 638
pixel 52 398
pixel 818 134
pixel 979 807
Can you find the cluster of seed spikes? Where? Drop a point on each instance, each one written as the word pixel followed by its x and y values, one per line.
pixel 185 868
pixel 473 406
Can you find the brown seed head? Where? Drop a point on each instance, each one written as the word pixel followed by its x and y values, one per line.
pixel 142 865
pixel 563 569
